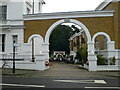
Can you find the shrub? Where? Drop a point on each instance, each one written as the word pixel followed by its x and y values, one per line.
pixel 81 55
pixel 84 54
pixel 101 60
pixel 113 60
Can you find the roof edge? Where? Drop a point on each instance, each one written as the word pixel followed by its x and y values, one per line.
pixel 105 3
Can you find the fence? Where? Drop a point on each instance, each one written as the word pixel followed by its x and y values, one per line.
pixel 24 57
pixel 18 57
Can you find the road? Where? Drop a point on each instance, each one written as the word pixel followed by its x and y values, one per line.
pixel 62 75
pixel 24 82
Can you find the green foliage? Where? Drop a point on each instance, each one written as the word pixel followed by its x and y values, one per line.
pixel 84 53
pixel 59 39
pixel 78 55
pixel 101 60
pixel 113 60
pixel 80 62
pixel 81 55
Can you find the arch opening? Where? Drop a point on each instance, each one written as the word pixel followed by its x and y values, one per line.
pixel 103 47
pixel 36 42
pixel 92 66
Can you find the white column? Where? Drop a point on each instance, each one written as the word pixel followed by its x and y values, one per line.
pixel 92 57
pixel 111 49
pixel 40 62
pixel 117 57
pixel 20 41
pixel 0 43
pixel 8 43
pixel 46 50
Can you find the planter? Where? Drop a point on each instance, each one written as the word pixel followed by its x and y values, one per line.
pixel 47 63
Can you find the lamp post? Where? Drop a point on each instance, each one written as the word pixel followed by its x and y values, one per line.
pixel 13 56
pixel 33 6
pixel 33 59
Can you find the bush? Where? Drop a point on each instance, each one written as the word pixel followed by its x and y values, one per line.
pixel 78 55
pixel 80 62
pixel 81 55
pixel 101 60
pixel 84 54
pixel 112 60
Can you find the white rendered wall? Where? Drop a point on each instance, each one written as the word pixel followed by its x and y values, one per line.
pixel 15 10
pixel 0 42
pixel 36 6
pixel 38 45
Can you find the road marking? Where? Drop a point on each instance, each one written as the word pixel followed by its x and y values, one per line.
pixel 19 85
pixel 83 81
pixel 100 81
pixel 105 87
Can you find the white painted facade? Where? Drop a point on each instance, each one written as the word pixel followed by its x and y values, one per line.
pixel 32 6
pixel 13 27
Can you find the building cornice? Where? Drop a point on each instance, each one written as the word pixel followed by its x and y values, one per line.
pixel 75 14
pixel 12 27
pixel 105 3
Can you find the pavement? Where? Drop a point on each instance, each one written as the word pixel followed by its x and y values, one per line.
pixel 61 69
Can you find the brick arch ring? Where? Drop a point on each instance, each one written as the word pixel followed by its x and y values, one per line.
pixel 47 36
pixel 101 33
pixel 35 35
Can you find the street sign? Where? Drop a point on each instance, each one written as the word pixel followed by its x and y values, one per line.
pixel 16 44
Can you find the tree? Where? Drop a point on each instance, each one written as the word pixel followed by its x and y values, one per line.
pixel 59 39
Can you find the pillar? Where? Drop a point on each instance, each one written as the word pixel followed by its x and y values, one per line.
pixel 92 57
pixel 46 50
pixel 111 49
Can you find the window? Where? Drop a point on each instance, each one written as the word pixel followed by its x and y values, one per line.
pixel 3 42
pixel 3 15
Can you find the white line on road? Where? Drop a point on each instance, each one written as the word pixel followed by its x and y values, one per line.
pixel 82 81
pixel 100 81
pixel 19 85
pixel 105 87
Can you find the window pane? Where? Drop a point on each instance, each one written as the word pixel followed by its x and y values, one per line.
pixel 3 42
pixel 3 12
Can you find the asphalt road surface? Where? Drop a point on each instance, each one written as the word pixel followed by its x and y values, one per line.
pixel 61 75
pixel 24 82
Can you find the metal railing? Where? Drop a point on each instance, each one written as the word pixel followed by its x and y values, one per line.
pixel 18 57
pixel 21 57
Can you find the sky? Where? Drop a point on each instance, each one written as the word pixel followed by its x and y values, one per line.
pixel 69 5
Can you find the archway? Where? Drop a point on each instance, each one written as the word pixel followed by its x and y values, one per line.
pixel 47 36
pixel 36 42
pixel 91 55
pixel 107 52
pixel 101 33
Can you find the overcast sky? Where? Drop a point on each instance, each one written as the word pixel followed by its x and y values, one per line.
pixel 70 5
